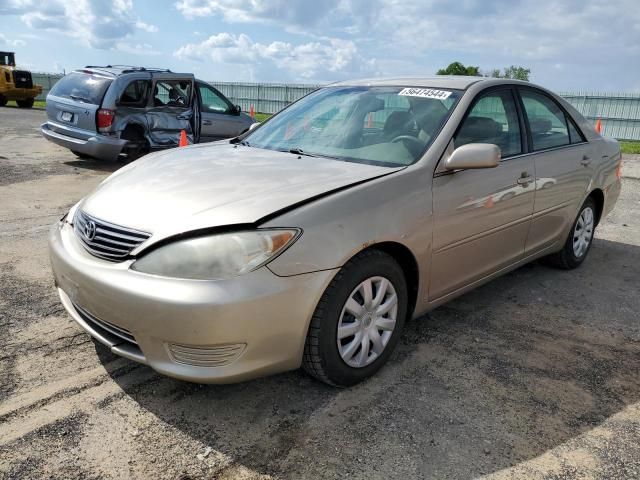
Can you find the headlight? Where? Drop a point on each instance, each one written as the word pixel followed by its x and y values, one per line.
pixel 217 256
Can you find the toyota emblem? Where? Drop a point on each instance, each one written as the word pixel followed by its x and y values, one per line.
pixel 90 230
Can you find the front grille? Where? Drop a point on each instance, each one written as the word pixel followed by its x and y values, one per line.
pixel 102 325
pixel 205 356
pixel 104 239
pixel 22 79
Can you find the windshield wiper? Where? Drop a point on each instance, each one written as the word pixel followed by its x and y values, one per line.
pixel 299 151
pixel 78 97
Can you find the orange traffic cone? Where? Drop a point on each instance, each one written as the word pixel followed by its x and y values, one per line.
pixel 598 126
pixel 183 139
pixel 252 114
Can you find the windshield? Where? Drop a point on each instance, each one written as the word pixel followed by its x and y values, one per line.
pixel 7 58
pixel 82 87
pixel 379 125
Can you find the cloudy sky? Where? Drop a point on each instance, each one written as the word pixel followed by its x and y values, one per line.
pixel 568 44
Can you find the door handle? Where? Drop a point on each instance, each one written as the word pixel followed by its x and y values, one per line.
pixel 585 161
pixel 207 122
pixel 184 116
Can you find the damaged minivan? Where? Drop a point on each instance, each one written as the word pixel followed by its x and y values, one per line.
pixel 105 112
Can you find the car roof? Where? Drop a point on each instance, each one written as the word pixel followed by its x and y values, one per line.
pixel 117 70
pixel 436 81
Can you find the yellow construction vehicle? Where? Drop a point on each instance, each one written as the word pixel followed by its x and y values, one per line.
pixel 16 84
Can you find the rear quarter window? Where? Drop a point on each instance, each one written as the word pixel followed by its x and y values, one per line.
pixel 82 87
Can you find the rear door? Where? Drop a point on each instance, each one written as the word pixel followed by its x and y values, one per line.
pixel 220 118
pixel 481 217
pixel 73 102
pixel 170 109
pixel 563 167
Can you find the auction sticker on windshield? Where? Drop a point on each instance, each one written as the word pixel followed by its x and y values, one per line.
pixel 425 93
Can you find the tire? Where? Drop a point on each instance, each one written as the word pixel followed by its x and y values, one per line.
pixel 569 257
pixel 322 356
pixel 26 103
pixel 3 100
pixel 137 145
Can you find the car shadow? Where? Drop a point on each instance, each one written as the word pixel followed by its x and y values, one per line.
pixel 96 165
pixel 492 379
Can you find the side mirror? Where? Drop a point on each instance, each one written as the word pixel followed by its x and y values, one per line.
pixel 474 155
pixel 238 109
pixel 254 125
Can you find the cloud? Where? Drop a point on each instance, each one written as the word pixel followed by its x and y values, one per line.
pixel 97 23
pixel 276 11
pixel 136 49
pixel 146 27
pixel 313 60
pixel 501 31
pixel 16 42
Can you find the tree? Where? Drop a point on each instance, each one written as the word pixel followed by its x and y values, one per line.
pixel 457 68
pixel 514 72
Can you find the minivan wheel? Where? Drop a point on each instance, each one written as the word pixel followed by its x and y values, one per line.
pixel 26 103
pixel 579 240
pixel 3 100
pixel 358 320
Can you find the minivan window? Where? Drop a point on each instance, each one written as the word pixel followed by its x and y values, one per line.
pixel 212 101
pixel 82 87
pixel 389 126
pixel 136 93
pixel 547 121
pixel 493 119
pixel 172 93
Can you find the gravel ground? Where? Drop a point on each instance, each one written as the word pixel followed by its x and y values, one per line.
pixel 534 375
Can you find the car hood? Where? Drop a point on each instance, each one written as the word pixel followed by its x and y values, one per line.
pixel 214 185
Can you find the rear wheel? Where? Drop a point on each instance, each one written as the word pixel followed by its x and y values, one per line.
pixel 3 100
pixel 137 145
pixel 579 241
pixel 358 320
pixel 26 103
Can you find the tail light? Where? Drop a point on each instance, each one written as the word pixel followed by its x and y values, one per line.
pixel 105 118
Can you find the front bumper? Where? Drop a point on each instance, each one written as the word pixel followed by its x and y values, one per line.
pixel 97 146
pixel 253 325
pixel 22 93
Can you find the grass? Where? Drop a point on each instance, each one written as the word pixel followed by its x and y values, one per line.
pixel 261 117
pixel 630 147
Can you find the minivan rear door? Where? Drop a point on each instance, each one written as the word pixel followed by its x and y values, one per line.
pixel 170 109
pixel 73 102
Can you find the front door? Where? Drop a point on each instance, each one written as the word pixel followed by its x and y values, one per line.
pixel 482 217
pixel 170 110
pixel 220 119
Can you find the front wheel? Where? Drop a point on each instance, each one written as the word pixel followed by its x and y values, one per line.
pixel 26 103
pixel 3 100
pixel 358 320
pixel 579 241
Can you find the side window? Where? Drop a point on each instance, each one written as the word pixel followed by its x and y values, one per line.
pixel 172 93
pixel 574 134
pixel 547 121
pixel 493 119
pixel 211 101
pixel 136 93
